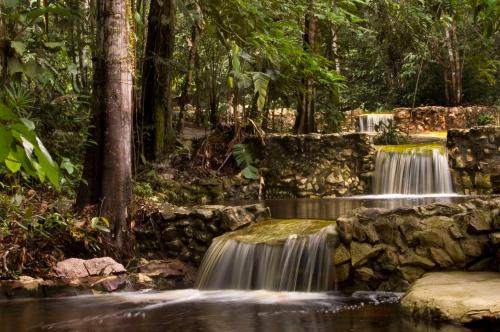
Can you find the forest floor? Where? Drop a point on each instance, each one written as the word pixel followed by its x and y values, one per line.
pixel 39 227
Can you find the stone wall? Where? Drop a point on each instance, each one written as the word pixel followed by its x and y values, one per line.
pixel 186 233
pixel 388 250
pixel 436 118
pixel 474 156
pixel 316 165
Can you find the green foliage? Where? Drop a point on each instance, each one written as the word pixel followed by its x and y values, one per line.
pixel 100 223
pixel 389 134
pixel 485 119
pixel 143 189
pixel 21 150
pixel 246 161
pixel 333 120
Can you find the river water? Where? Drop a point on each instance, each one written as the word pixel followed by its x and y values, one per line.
pixel 329 209
pixel 215 311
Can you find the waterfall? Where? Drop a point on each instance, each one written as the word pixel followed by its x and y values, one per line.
pixel 412 170
pixel 297 263
pixel 367 122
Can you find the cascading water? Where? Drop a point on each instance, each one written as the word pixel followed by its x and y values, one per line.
pixel 281 260
pixel 412 170
pixel 367 122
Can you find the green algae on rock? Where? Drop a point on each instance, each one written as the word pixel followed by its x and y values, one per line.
pixel 412 148
pixel 277 231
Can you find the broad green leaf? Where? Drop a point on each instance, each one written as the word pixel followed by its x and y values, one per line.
pixel 36 171
pixel 28 123
pixel 20 47
pixel 6 113
pixel 12 162
pixel 5 141
pixel 44 151
pixel 100 223
pixel 28 147
pixel 67 165
pixel 48 166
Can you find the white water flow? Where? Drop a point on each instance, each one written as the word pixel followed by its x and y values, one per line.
pixel 300 263
pixel 367 122
pixel 412 170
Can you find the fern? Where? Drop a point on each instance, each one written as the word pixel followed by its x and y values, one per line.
pixel 246 161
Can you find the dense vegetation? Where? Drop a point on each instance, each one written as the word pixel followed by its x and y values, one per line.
pixel 95 92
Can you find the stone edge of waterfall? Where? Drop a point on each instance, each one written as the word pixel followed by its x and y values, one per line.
pixel 302 262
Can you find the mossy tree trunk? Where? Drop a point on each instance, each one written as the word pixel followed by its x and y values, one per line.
pixel 157 78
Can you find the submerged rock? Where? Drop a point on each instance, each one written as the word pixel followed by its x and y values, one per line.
pixel 461 297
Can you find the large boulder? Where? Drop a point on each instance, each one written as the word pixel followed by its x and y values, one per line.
pixel 79 268
pixel 461 297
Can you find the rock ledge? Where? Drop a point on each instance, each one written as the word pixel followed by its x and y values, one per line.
pixel 461 297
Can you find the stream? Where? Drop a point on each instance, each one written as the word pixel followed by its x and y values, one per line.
pixel 217 311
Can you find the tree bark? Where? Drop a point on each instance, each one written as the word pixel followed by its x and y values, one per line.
pixel 306 105
pixel 455 65
pixel 157 78
pixel 188 83
pixel 108 163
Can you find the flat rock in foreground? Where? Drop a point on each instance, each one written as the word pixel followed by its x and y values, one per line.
pixel 462 297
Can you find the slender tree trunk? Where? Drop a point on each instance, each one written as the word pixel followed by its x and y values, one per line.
pixel 213 98
pixel 157 78
pixel 458 64
pixel 108 163
pixel 3 51
pixel 267 107
pixel 332 47
pixel 306 106
pixel 446 83
pixel 188 83
pixel 454 64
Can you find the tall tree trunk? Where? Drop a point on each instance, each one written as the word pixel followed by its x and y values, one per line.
pixel 157 78
pixel 306 106
pixel 335 49
pixel 108 163
pixel 213 97
pixel 188 83
pixel 446 83
pixel 3 51
pixel 455 64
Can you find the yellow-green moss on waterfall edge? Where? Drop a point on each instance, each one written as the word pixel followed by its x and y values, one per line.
pixel 276 231
pixel 412 148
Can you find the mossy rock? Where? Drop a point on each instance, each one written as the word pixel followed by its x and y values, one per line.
pixel 276 232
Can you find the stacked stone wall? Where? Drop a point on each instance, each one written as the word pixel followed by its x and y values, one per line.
pixel 333 165
pixel 437 118
pixel 474 156
pixel 387 250
pixel 185 234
